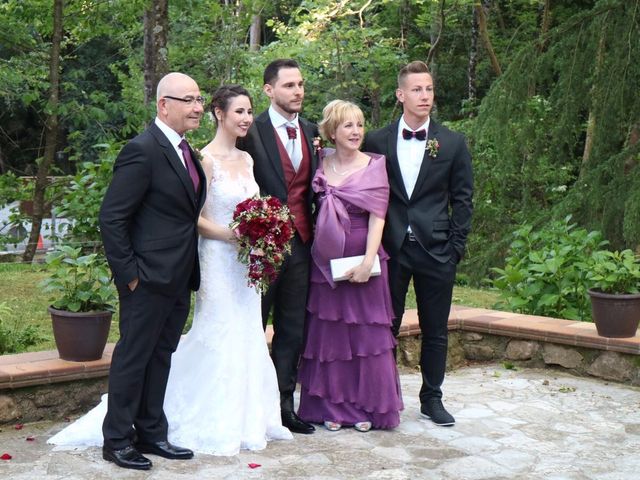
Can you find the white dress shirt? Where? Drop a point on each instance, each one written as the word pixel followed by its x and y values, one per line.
pixel 173 136
pixel 280 123
pixel 410 154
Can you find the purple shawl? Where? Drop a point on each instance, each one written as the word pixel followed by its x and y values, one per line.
pixel 367 189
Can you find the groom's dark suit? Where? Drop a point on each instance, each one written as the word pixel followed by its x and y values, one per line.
pixel 148 224
pixel 288 294
pixel 438 212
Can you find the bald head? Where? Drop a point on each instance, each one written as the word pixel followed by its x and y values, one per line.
pixel 173 82
pixel 175 99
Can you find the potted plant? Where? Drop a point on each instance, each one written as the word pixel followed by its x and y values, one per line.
pixel 83 302
pixel 615 295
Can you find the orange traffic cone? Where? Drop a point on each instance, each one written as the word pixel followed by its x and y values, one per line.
pixel 40 245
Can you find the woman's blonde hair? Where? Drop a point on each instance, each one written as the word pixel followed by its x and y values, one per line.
pixel 335 113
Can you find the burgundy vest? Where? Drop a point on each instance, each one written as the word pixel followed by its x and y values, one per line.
pixel 298 186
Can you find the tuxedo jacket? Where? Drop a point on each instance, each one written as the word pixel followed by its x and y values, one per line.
pixel 148 218
pixel 260 143
pixel 440 206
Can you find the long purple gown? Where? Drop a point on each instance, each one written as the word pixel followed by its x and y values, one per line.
pixel 348 372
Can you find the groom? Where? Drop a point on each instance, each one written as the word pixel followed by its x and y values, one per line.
pixel 280 142
pixel 148 225
pixel 428 220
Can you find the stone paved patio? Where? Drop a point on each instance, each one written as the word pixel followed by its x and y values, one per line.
pixel 525 424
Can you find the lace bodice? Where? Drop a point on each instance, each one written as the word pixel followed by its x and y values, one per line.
pixel 226 190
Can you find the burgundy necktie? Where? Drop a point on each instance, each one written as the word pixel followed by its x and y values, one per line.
pixel 418 135
pixel 291 133
pixel 290 147
pixel 188 161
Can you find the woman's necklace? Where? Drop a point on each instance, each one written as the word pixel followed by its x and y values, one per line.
pixel 333 167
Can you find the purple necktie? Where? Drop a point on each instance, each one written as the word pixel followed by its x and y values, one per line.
pixel 188 161
pixel 418 135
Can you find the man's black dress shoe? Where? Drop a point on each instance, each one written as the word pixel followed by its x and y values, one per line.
pixel 295 423
pixel 127 457
pixel 432 408
pixel 166 450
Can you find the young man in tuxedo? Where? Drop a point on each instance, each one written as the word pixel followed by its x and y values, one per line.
pixel 281 144
pixel 428 220
pixel 148 222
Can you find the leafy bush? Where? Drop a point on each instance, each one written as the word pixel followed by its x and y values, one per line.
pixel 615 272
pixel 80 283
pixel 83 196
pixel 548 271
pixel 14 339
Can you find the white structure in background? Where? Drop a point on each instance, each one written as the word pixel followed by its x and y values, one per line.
pixel 52 230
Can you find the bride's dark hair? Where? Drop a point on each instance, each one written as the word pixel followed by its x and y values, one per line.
pixel 221 97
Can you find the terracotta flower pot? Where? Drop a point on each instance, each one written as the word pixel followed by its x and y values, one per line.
pixel 82 336
pixel 615 315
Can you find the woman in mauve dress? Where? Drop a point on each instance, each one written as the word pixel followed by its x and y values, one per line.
pixel 348 372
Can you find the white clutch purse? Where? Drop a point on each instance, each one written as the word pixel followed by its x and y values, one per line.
pixel 340 266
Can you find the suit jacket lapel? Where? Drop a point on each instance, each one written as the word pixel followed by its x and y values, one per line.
pixel 426 159
pixel 175 162
pixel 268 137
pixel 392 156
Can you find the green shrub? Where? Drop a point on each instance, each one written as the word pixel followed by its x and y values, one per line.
pixel 14 339
pixel 79 283
pixel 615 272
pixel 548 271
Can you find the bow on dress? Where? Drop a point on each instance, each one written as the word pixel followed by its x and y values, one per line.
pixel 367 189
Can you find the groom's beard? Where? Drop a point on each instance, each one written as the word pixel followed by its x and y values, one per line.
pixel 290 107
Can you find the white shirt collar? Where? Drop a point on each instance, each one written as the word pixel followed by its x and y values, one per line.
pixel 278 120
pixel 403 124
pixel 174 137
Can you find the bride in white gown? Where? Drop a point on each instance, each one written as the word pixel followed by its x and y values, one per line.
pixel 222 394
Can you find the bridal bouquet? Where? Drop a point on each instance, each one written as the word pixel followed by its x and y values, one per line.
pixel 264 229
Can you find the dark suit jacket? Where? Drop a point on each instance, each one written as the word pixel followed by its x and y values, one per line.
pixel 439 210
pixel 261 144
pixel 148 218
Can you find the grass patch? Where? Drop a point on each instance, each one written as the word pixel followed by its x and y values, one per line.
pixel 27 303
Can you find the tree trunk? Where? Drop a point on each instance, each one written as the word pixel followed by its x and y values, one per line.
pixel 484 34
pixel 156 27
pixel 254 33
pixel 544 27
pixel 591 122
pixel 473 59
pixel 51 134
pixel 435 38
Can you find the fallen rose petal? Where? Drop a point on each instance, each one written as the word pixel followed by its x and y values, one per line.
pixel 19 426
pixel 254 465
pixel 31 439
pixel 6 456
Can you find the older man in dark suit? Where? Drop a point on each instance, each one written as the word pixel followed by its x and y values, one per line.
pixel 428 220
pixel 281 144
pixel 148 223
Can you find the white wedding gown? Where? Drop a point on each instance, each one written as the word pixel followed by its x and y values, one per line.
pixel 222 394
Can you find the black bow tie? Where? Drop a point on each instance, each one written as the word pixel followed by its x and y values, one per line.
pixel 418 135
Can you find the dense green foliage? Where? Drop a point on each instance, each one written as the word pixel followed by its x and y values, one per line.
pixel 77 282
pixel 14 337
pixel 547 271
pixel 615 272
pixel 558 133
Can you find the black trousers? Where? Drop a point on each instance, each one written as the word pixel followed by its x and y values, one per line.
pixel 287 297
pixel 433 284
pixel 150 329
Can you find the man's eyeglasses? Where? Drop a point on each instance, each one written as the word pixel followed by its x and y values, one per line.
pixel 188 100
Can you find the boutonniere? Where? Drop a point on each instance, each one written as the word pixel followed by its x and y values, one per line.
pixel 432 147
pixel 317 144
pixel 197 155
